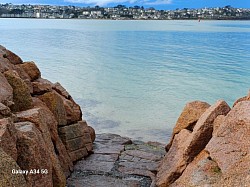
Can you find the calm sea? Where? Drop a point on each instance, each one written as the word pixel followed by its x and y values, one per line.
pixel 134 77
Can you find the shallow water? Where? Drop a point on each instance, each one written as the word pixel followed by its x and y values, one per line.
pixel 134 77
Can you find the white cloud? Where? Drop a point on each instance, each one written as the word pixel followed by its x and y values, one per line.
pixel 159 2
pixel 106 2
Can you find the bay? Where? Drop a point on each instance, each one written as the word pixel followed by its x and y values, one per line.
pixel 134 77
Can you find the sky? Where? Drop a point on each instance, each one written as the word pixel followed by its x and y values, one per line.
pixel 158 4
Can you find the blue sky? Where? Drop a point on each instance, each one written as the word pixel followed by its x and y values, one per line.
pixel 159 4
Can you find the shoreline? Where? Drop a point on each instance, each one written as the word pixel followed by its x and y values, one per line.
pixel 127 19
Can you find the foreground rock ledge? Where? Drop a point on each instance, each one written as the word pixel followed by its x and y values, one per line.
pixel 41 127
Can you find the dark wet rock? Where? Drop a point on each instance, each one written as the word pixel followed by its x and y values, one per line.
pixel 112 139
pixel 101 181
pixel 120 162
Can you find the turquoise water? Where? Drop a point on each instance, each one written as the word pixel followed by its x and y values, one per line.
pixel 134 77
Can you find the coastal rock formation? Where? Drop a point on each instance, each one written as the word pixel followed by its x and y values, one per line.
pixel 214 153
pixel 188 118
pixel 41 127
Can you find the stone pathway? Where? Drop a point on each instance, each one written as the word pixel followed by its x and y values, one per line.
pixel 118 162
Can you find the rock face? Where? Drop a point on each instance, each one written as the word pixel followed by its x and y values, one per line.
pixel 7 165
pixel 32 113
pixel 21 93
pixel 215 153
pixel 6 91
pixel 77 139
pixel 188 118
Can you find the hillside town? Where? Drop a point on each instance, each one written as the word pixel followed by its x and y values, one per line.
pixel 120 12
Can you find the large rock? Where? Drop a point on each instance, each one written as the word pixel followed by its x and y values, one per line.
pixel 246 98
pixel 174 162
pixel 32 70
pixel 41 86
pixel 8 137
pixel 7 166
pixel 5 64
pixel 6 91
pixel 61 90
pixel 73 111
pixel 226 158
pixel 203 129
pixel 46 123
pixel 230 145
pixel 77 139
pixel 33 154
pixel 190 115
pixel 188 118
pixel 21 93
pixel 192 144
pixel 23 75
pixel 13 58
pixel 203 171
pixel 55 103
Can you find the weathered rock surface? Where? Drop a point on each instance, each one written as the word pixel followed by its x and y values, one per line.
pixel 174 162
pixel 77 140
pixel 6 91
pixel 118 161
pixel 5 64
pixel 217 122
pixel 61 90
pixel 216 153
pixel 72 110
pixel 32 70
pixel 21 93
pixel 245 98
pixel 47 125
pixel 189 144
pixel 8 137
pixel 188 118
pixel 203 171
pixel 41 86
pixel 32 154
pixel 230 145
pixel 4 111
pixel 55 103
pixel 7 165
pixel 13 58
pixel 203 129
